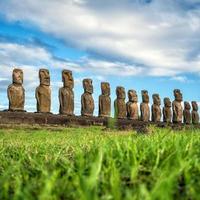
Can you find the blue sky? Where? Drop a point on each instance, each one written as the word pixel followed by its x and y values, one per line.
pixel 138 44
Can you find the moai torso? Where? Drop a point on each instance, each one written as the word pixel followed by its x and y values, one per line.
pixel 132 106
pixel 119 103
pixel 177 107
pixel 195 114
pixel 144 107
pixel 167 112
pixel 16 92
pixel 43 92
pixel 187 113
pixel 155 109
pixel 105 100
pixel 66 94
pixel 87 101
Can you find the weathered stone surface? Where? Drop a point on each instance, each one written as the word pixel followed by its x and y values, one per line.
pixel 155 108
pixel 167 111
pixel 195 114
pixel 105 100
pixel 16 92
pixel 144 106
pixel 132 105
pixel 49 119
pixel 66 94
pixel 119 103
pixel 177 107
pixel 187 113
pixel 87 101
pixel 43 92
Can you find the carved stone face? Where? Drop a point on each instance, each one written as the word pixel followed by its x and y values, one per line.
pixel 17 76
pixel 132 96
pixel 105 88
pixel 145 96
pixel 67 79
pixel 87 85
pixel 194 105
pixel 167 102
pixel 156 99
pixel 178 95
pixel 187 105
pixel 44 77
pixel 120 92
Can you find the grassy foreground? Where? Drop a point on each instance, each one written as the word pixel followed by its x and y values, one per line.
pixel 91 163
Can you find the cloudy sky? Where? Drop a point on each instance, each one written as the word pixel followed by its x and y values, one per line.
pixel 138 44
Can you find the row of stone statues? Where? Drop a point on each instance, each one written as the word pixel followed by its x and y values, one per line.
pixel 171 111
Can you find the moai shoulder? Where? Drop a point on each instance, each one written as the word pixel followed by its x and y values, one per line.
pixel 43 92
pixel 155 109
pixel 16 92
pixel 105 100
pixel 187 113
pixel 119 103
pixel 66 93
pixel 132 105
pixel 167 111
pixel 177 107
pixel 144 106
pixel 195 114
pixel 87 101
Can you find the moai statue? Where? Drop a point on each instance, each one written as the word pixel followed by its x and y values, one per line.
pixel 87 101
pixel 16 92
pixel 66 94
pixel 187 113
pixel 195 114
pixel 105 100
pixel 177 107
pixel 144 106
pixel 167 111
pixel 132 106
pixel 119 103
pixel 43 92
pixel 155 108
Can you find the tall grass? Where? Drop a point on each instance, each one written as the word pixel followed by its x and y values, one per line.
pixel 91 163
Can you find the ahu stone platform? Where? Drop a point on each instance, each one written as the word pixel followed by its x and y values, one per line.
pixel 43 119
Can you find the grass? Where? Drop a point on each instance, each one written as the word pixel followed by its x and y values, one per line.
pixel 92 163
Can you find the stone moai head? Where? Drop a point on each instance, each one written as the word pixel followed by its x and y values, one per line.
pixel 145 96
pixel 44 77
pixel 178 95
pixel 132 96
pixel 194 106
pixel 17 76
pixel 187 105
pixel 105 88
pixel 156 99
pixel 87 85
pixel 167 102
pixel 120 92
pixel 67 78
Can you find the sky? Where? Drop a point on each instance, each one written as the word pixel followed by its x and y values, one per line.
pixel 137 44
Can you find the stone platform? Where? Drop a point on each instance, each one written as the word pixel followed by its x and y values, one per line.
pixel 26 118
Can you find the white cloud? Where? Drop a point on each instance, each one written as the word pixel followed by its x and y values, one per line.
pixel 182 79
pixel 30 59
pixel 163 36
pixel 112 68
